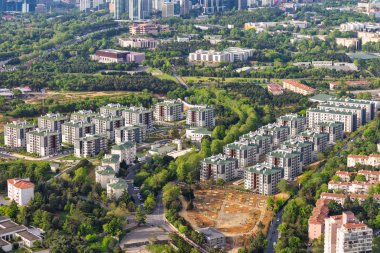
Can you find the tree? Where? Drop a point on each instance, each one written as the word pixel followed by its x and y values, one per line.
pixel 114 227
pixel 150 203
pixel 140 216
pixel 216 147
pixel 360 178
pixel 282 186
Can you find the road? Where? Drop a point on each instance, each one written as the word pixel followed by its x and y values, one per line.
pixel 179 79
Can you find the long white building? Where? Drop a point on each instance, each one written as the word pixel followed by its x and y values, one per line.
pixel 231 54
pixel 316 116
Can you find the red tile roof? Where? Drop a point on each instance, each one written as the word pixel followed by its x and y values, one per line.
pixel 20 183
pixel 299 85
pixel 354 225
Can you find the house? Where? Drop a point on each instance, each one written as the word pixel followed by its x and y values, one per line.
pixel 214 238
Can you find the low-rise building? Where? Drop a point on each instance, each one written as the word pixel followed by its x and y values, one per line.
pixel 126 151
pixel 117 56
pixel 135 133
pixel 344 176
pixel 246 153
pixel 168 110
pixel 295 122
pixel 21 190
pixel 368 37
pixel 201 116
pixel 15 133
pixel 317 219
pixel 290 161
pixel 138 42
pixel 370 175
pixel 196 134
pixel 138 116
pixel 348 42
pixel 145 29
pixel 351 187
pixel 104 175
pixel 90 145
pixel 52 121
pixel 353 84
pixel 315 116
pixel 263 178
pixel 303 147
pixel 231 54
pixel 219 167
pixel 106 124
pixel 43 142
pixel 116 187
pixel 275 89
pixel 297 87
pixel 76 129
pixel 334 129
pixel 370 160
pixel 214 238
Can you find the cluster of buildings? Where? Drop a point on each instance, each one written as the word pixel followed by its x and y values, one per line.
pixel 138 42
pixel 230 54
pixel 263 26
pixel 366 33
pixel 117 56
pixel 367 160
pixel 139 29
pixel 339 66
pixel 297 87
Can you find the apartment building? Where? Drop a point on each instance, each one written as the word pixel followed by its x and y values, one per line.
pixel 370 160
pixel 196 134
pixel 76 129
pixel 231 54
pixel 83 115
pixel 145 29
pixel 21 190
pixel 43 142
pixel 340 198
pixel 117 56
pixel 138 116
pixel 264 142
pixel 290 161
pixel 135 133
pixel 297 87
pixel 360 112
pixel 317 219
pixel 138 42
pixel 214 238
pixel 279 133
pixel 219 167
pixel 246 153
pixel 52 121
pixel 106 124
pixel 320 140
pixel 370 175
pixel 295 122
pixel 345 234
pixel 103 175
pixel 303 147
pixel 351 187
pixel 315 116
pixel 112 161
pixel 263 178
pixel 15 133
pixel 90 145
pixel 334 129
pixel 126 151
pixel 348 42
pixel 112 109
pixel 201 116
pixel 116 187
pixel 168 110
pixel 345 176
pixel 369 106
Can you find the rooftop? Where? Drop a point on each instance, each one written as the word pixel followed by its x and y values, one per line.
pixel 43 132
pixel 54 116
pixel 20 124
pixel 124 145
pixel 329 111
pixel 264 169
pixel 210 233
pixel 21 183
pixel 104 170
pixel 92 137
pixel 118 183
pixel 284 153
pixel 299 85
pixel 219 159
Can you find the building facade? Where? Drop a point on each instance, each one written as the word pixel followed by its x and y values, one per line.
pixel 297 87
pixel 76 129
pixel 43 142
pixel 15 133
pixel 138 116
pixel 52 121
pixel 263 178
pixel 219 167
pixel 21 190
pixel 200 116
pixel 126 151
pixel 104 175
pixel 290 161
pixel 295 122
pixel 168 110
pixel 106 124
pixel 90 145
pixel 134 133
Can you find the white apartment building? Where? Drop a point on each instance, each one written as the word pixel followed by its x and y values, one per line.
pixel 112 161
pixel 290 161
pixel 264 142
pixel 345 176
pixel 348 42
pixel 279 133
pixel 360 112
pixel 295 122
pixel 90 145
pixel 369 106
pixel 246 153
pixel 196 134
pixel 15 133
pixel 138 116
pixel 357 187
pixel 76 129
pixel 297 87
pixel 116 187
pixel 303 147
pixel 230 54
pixel 334 129
pixel 43 142
pixel 21 190
pixel 83 115
pixel 219 167
pixel 370 160
pixel 138 42
pixel 126 151
pixel 106 124
pixel 112 109
pixel 316 116
pixel 135 133
pixel 319 139
pixel 368 37
pixel 104 175
pixel 201 116
pixel 263 178
pixel 52 121
pixel 370 175
pixel 168 110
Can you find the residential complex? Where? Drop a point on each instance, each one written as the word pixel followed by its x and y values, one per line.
pixel 334 129
pixel 168 110
pixel 289 160
pixel 369 160
pixel 297 87
pixel 231 54
pixel 116 187
pixel 117 56
pixel 21 190
pixel 135 133
pixel 138 42
pixel 295 122
pixel 219 167
pixel 196 134
pixel 316 116
pixel 90 145
pixel 83 115
pixel 104 175
pixel 126 151
pixel 246 153
pixel 320 140
pixel 106 124
pixel 358 111
pixel 317 219
pixel 304 147
pixel 263 178
pixel 43 142
pixel 264 142
pixel 138 116
pixel 368 106
pixel 200 116
pixel 52 121
pixel 76 129
pixel 278 132
pixel 15 133
pixel 112 109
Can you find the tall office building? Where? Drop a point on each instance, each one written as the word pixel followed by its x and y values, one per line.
pixel 139 9
pixel 241 4
pixel 170 8
pixel 185 6
pixel 87 5
pixel 119 8
pixel 212 6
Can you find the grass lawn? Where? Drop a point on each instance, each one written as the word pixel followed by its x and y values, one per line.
pixel 159 74
pixel 197 79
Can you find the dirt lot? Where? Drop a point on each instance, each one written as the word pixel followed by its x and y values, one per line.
pixel 232 212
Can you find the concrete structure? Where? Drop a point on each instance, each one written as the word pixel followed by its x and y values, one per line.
pixel 370 175
pixel 263 178
pixel 52 121
pixel 200 116
pixel 43 142
pixel 139 9
pixel 289 160
pixel 360 112
pixel 212 6
pixel 126 151
pixel 76 129
pixel 297 87
pixel 214 238
pixel 135 133
pixel 219 167
pixel 83 115
pixel 21 190
pixel 345 176
pixel 145 29
pixel 370 160
pixel 320 140
pixel 112 109
pixel 334 129
pixel 316 116
pixel 106 124
pixel 104 175
pixel 264 142
pixel 246 153
pixel 275 89
pixel 369 106
pixel 90 145
pixel 278 132
pixel 348 42
pixel 295 122
pixel 368 37
pixel 138 42
pixel 112 161
pixel 15 133
pixel 317 219
pixel 117 56
pixel 231 54
pixel 303 147
pixel 196 134
pixel 351 187
pixel 138 116
pixel 168 110
pixel 116 187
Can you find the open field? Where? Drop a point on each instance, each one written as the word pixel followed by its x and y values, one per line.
pixel 160 75
pixel 199 79
pixel 235 213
